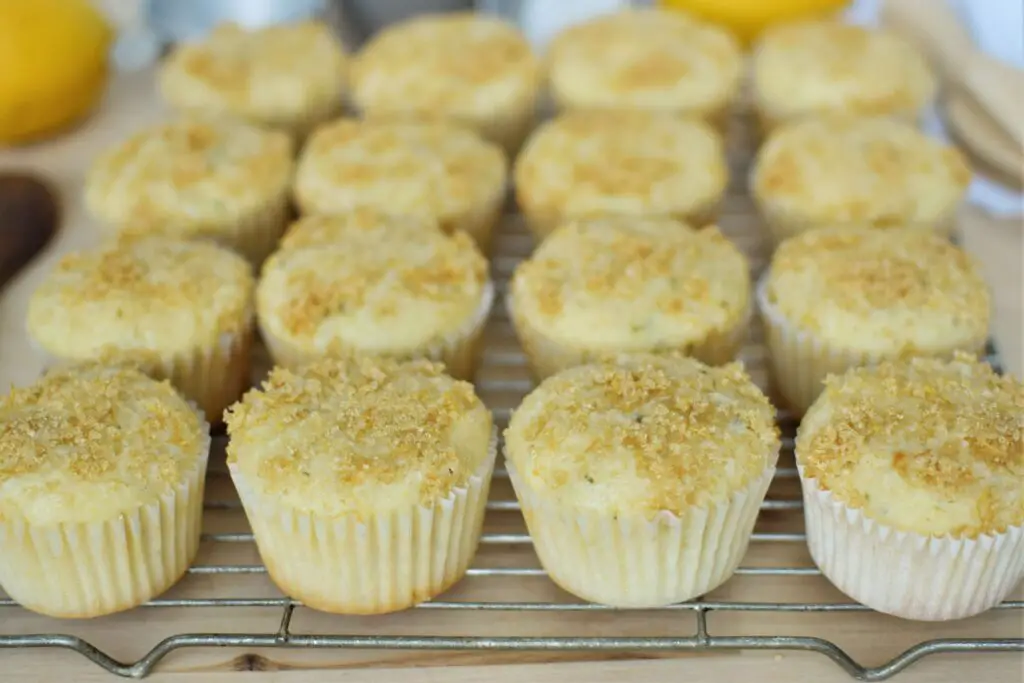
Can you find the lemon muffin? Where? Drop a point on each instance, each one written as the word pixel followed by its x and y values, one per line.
pixel 838 298
pixel 101 490
pixel 365 480
pixel 588 162
pixel 288 76
pixel 816 67
pixel 425 294
pixel 181 311
pixel 641 480
pixel 647 59
pixel 363 223
pixel 604 286
pixel 430 170
pixel 875 172
pixel 196 179
pixel 469 68
pixel 912 476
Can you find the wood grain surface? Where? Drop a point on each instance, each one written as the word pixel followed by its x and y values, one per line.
pixel 869 637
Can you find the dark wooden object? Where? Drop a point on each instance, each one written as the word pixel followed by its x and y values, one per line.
pixel 29 218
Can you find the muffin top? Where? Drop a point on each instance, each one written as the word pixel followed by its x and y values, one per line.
pixel 928 446
pixel 877 172
pixel 390 290
pixel 362 223
pixel 359 435
pixel 645 59
pixel 632 283
pixel 189 176
pixel 271 75
pixel 426 169
pixel 89 443
pixel 591 162
pixel 648 434
pixel 817 67
pixel 148 294
pixel 460 63
pixel 882 291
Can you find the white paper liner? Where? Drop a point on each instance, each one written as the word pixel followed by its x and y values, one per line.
pixel 90 569
pixel 460 351
pixel 904 574
pixel 800 362
pixel 374 564
pixel 546 356
pixel 635 562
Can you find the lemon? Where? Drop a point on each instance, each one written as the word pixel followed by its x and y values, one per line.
pixel 748 18
pixel 54 57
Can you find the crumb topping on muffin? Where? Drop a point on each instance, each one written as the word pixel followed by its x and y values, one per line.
pixel 618 281
pixel 422 169
pixel 924 445
pixel 878 172
pixel 646 434
pixel 462 62
pixel 648 59
pixel 348 434
pixel 91 441
pixel 147 293
pixel 909 289
pixel 586 163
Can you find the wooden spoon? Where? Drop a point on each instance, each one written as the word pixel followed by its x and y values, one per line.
pixel 29 218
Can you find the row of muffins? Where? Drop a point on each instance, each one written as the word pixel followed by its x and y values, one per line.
pixel 365 482
pixel 233 183
pixel 481 72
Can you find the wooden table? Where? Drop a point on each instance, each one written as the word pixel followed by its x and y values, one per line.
pixel 869 637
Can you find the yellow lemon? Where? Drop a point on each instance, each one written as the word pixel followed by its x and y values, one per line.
pixel 747 18
pixel 54 65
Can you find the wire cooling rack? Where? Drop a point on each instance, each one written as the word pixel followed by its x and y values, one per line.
pixel 778 600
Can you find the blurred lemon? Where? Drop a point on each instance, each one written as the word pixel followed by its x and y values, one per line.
pixel 747 18
pixel 54 57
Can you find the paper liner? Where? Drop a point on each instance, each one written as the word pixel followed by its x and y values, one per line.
pixel 212 377
pixel 546 356
pixel 542 222
pixel 89 569
pixel 369 564
pixel 800 362
pixel 460 351
pixel 904 574
pixel 628 560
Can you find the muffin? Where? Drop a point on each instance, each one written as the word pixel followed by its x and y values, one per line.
pixel 365 480
pixel 468 68
pixel 842 297
pixel 586 163
pixel 874 172
pixel 434 171
pixel 640 481
pixel 101 490
pixel 288 76
pixel 603 286
pixel 660 61
pixel 816 67
pixel 912 476
pixel 389 291
pixel 181 311
pixel 363 223
pixel 222 181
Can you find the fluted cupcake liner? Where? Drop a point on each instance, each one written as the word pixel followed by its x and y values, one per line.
pixel 630 560
pixel 374 563
pixel 905 574
pixel 89 569
pixel 546 356
pixel 800 362
pixel 459 351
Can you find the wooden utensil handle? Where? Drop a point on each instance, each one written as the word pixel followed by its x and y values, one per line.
pixel 29 216
pixel 936 30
